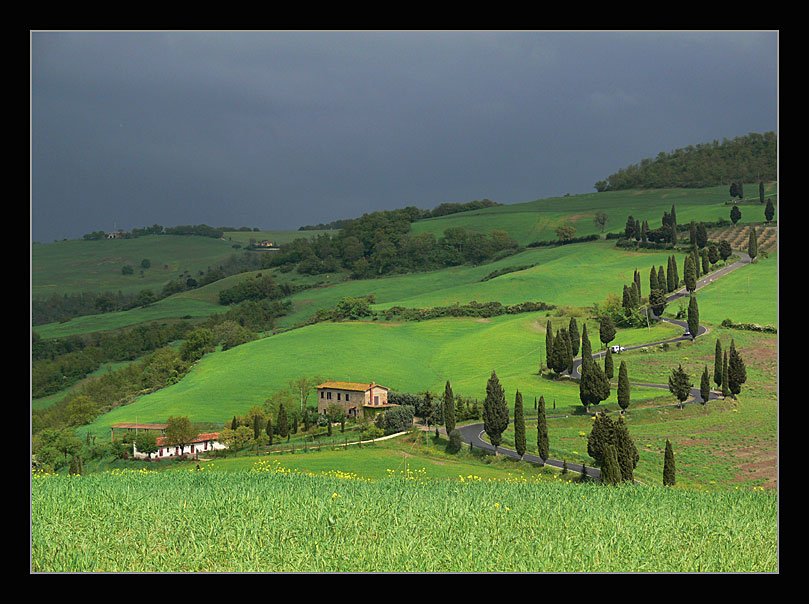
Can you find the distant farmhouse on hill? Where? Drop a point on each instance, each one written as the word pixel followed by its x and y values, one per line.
pixel 353 397
pixel 265 244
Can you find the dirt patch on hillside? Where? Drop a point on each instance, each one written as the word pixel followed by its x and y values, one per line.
pixel 761 465
pixel 577 217
pixel 765 351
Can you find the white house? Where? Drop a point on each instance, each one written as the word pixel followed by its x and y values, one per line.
pixel 201 444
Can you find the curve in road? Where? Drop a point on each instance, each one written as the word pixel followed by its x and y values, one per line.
pixel 472 434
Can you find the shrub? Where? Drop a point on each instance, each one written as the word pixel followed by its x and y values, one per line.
pixel 397 419
pixel 454 441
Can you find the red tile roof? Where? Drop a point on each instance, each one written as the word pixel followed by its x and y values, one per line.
pixel 161 441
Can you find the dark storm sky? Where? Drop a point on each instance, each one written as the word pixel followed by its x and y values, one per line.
pixel 280 129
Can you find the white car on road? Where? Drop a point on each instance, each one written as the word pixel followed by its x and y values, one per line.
pixel 617 348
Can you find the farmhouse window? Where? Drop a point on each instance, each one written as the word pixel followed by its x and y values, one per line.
pixel 376 400
pixel 346 395
pixel 328 395
pixel 338 396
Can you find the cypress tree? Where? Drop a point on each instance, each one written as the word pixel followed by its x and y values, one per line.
pixel 670 276
pixel 586 349
pixel 702 235
pixel 713 253
pixel 725 387
pixel 706 262
pixel 606 330
pixel 573 333
pixel 256 427
pixel 449 408
pixel 610 469
pixel 676 276
pixel 668 466
pixel 737 374
pixel 752 243
pixel 661 280
pixel 283 422
pixel 234 423
pixel 594 386
pixel 657 301
pixel 635 291
pixel 623 387
pixel 427 410
pixel 562 355
pixel 495 411
pixel 600 436
pixel 269 431
pixel 717 364
pixel 690 274
pixel 693 317
pixel 626 301
pixel 679 385
pixel 568 352
pixel 608 366
pixel 769 211
pixel 705 386
pixel 761 191
pixel 543 444
pixel 637 283
pixel 652 279
pixel 519 425
pixel 627 451
pixel 735 215
pixel 548 344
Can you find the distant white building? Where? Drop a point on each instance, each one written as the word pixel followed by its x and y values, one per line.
pixel 203 443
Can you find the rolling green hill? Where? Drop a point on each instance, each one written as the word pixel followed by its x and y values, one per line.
pixel 538 220
pixel 417 356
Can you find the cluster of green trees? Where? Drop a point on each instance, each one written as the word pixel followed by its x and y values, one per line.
pixel 161 368
pixel 750 158
pixel 259 287
pixel 610 444
pixel 55 308
pixel 57 363
pixel 379 243
pixel 443 209
pixel 473 309
pixel 200 230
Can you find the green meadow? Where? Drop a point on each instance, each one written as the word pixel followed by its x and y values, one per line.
pixel 408 357
pixel 76 266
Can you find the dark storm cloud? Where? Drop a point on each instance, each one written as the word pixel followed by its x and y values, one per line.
pixel 280 129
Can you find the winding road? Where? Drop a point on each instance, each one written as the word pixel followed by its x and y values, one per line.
pixel 472 434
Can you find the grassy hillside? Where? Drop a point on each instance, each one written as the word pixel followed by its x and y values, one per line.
pixel 409 357
pixel 538 220
pixel 67 267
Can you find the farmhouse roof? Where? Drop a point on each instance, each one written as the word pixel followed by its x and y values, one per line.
pixel 354 386
pixel 199 439
pixel 138 426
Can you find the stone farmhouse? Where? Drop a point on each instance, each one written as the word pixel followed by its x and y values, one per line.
pixel 354 397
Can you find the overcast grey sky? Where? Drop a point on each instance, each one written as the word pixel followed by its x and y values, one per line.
pixel 280 129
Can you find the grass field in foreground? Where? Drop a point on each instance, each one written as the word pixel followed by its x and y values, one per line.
pixel 275 520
